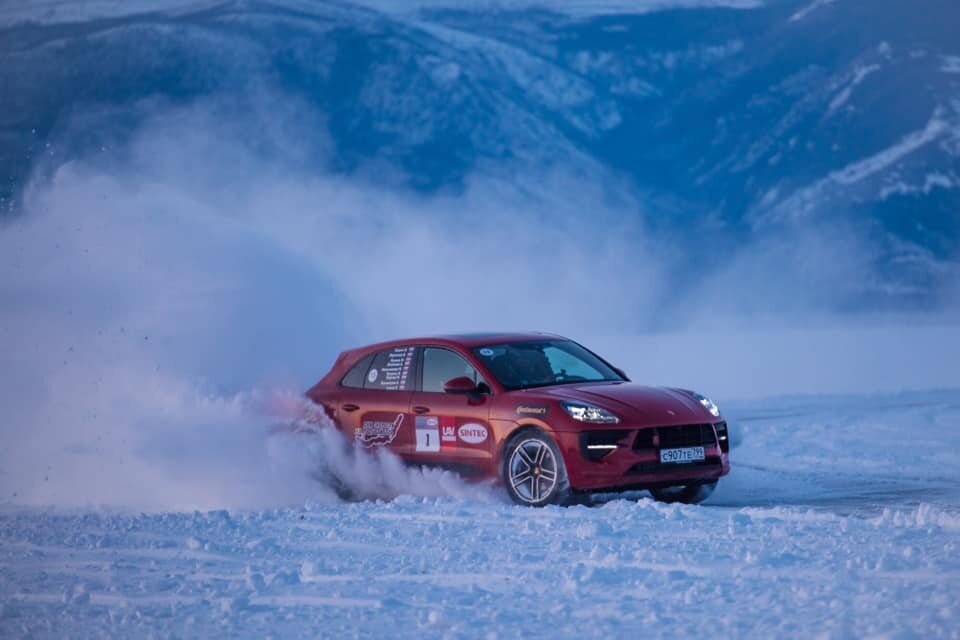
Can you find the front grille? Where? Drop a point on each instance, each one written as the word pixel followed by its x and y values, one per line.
pixel 687 435
pixel 653 467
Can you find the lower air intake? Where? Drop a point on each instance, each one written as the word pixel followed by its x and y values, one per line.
pixel 687 435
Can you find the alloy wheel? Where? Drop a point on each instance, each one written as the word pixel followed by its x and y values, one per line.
pixel 533 471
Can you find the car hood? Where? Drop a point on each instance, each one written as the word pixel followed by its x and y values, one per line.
pixel 636 405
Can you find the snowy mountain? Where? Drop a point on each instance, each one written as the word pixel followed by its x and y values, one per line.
pixel 738 119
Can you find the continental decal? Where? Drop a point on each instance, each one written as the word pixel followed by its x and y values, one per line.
pixel 532 410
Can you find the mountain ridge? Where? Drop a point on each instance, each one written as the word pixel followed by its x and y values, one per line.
pixel 735 120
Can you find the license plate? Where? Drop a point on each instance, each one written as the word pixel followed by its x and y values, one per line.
pixel 679 456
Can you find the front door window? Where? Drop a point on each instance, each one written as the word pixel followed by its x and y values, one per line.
pixel 451 428
pixel 441 365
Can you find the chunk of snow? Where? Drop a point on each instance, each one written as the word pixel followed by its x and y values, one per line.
pixel 950 64
pixel 810 8
pixel 936 127
pixel 859 75
pixel 930 182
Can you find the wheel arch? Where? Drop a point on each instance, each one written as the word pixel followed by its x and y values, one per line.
pixel 561 488
pixel 520 427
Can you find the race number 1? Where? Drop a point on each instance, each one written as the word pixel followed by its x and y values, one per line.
pixel 428 439
pixel 428 433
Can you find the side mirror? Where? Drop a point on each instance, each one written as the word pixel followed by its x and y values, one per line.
pixel 463 384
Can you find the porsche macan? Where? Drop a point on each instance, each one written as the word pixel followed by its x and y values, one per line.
pixel 542 414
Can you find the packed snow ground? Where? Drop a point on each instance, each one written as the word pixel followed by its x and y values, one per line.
pixel 841 518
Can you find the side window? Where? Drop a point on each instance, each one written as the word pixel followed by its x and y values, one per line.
pixel 392 370
pixel 440 365
pixel 357 374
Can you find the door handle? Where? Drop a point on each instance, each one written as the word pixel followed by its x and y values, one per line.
pixel 419 409
pixel 350 407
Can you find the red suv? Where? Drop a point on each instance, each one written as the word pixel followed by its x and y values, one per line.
pixel 541 413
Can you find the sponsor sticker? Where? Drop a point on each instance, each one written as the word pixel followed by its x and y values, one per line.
pixel 532 410
pixel 377 433
pixel 448 431
pixel 472 433
pixel 372 376
pixel 428 433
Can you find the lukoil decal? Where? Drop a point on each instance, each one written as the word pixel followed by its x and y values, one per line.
pixel 378 432
pixel 472 433
pixel 448 430
pixel 448 433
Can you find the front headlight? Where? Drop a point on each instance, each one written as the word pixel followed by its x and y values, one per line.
pixel 583 412
pixel 708 405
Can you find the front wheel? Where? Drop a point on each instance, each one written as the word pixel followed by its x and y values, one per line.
pixel 685 494
pixel 533 470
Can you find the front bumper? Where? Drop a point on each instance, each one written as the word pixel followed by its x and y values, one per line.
pixel 625 458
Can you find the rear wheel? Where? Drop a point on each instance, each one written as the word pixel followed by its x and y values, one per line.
pixel 685 494
pixel 533 470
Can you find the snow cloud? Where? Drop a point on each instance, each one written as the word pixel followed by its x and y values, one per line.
pixel 153 291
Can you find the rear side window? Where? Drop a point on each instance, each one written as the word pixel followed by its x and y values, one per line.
pixel 355 377
pixel 391 370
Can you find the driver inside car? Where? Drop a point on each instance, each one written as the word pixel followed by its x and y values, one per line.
pixel 532 366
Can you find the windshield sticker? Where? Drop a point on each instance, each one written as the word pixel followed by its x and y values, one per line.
pixel 377 433
pixel 486 352
pixel 532 410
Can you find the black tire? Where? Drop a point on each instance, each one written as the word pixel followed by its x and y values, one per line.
pixel 533 471
pixel 684 494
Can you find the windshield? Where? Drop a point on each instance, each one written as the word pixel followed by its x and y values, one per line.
pixel 522 365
